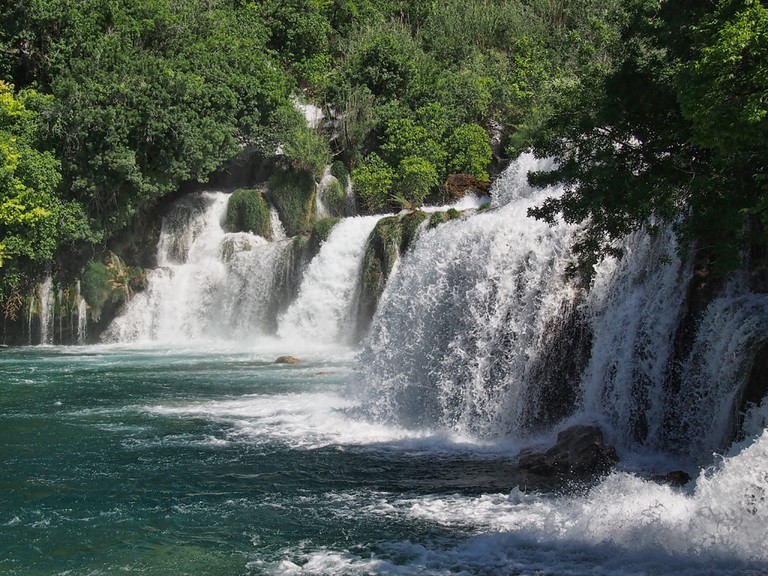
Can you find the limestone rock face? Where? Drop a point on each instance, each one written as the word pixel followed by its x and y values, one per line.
pixel 578 451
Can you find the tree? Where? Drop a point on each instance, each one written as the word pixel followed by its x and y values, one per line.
pixel 627 153
pixel 469 151
pixel 373 182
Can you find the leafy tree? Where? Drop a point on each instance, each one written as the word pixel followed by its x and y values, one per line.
pixel 373 181
pixel 637 140
pixel 469 151
pixel 415 178
pixel 33 218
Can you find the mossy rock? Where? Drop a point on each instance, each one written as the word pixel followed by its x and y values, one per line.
pixel 108 283
pixel 392 237
pixel 438 218
pixel 248 211
pixel 320 232
pixel 293 195
pixel 335 198
pixel 340 172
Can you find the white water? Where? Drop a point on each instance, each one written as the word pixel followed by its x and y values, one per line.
pixel 325 307
pixel 211 285
pixel 47 311
pixel 463 317
pixel 456 365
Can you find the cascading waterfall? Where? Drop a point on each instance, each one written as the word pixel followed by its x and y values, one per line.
pixel 463 336
pixel 324 309
pixel 210 284
pixel 635 306
pixel 46 302
pixel 217 285
pixel 463 317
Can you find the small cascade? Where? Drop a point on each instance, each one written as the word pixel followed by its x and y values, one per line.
pixel 702 413
pixel 47 308
pixel 636 304
pixel 82 316
pixel 278 231
pixel 324 310
pixel 211 284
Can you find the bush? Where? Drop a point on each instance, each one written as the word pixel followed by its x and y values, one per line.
pixel 248 211
pixel 373 183
pixel 339 171
pixel 416 177
pixel 293 195
pixel 469 151
pixel 320 232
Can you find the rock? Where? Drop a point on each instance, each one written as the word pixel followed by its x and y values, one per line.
pixel 457 185
pixel 287 360
pixel 578 451
pixel 674 478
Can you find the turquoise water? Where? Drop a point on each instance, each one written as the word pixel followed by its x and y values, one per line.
pixel 118 460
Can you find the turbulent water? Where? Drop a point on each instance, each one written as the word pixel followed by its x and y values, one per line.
pixel 181 448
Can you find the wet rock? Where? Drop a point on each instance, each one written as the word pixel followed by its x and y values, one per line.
pixel 287 360
pixel 457 185
pixel 578 451
pixel 674 478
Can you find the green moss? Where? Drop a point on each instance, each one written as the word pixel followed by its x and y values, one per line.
pixel 340 172
pixel 320 232
pixel 293 194
pixel 248 211
pixel 109 282
pixel 410 224
pixel 438 218
pixel 335 198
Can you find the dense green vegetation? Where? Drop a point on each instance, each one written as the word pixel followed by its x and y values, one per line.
pixel 653 110
pixel 248 211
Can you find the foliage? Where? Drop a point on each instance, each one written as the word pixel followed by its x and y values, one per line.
pixel 109 282
pixel 416 177
pixel 639 140
pixel 373 181
pixel 340 172
pixel 307 150
pixel 293 195
pixel 469 151
pixel 321 230
pixel 248 211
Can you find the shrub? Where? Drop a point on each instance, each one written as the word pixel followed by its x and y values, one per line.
pixel 248 211
pixel 469 151
pixel 335 198
pixel 373 182
pixel 416 177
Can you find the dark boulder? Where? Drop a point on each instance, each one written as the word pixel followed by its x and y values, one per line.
pixel 578 451
pixel 674 478
pixel 287 360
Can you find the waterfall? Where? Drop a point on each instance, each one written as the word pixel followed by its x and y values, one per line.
pixel 479 331
pixel 46 302
pixel 635 305
pixel 214 285
pixel 210 284
pixel 324 309
pixel 82 322
pixel 463 318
